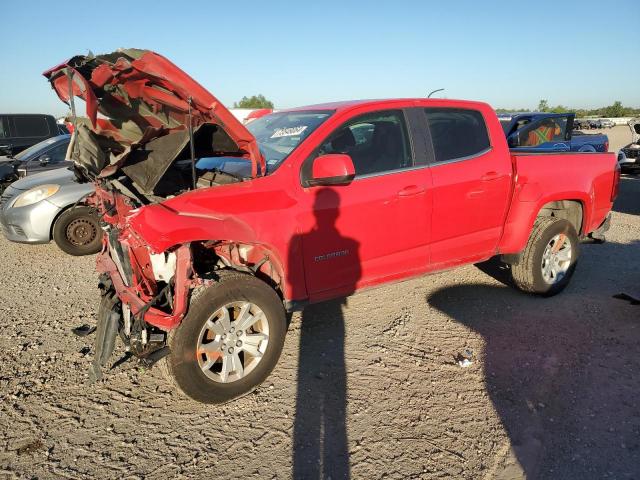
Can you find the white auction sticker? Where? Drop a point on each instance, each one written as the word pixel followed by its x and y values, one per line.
pixel 288 132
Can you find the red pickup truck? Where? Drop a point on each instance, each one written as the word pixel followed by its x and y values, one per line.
pixel 215 230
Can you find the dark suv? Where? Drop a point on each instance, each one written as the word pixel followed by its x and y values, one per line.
pixel 20 131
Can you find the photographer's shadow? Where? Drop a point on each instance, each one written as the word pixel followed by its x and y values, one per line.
pixel 320 441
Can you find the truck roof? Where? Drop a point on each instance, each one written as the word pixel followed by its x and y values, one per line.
pixel 350 104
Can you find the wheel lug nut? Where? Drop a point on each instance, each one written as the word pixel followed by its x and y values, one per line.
pixel 239 333
pixel 238 343
pixel 230 350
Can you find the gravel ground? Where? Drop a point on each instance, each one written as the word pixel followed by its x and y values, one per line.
pixel 552 391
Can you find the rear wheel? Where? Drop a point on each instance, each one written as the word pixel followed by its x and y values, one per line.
pixel 77 231
pixel 548 261
pixel 230 340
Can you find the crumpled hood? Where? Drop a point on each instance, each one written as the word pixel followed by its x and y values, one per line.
pixel 135 98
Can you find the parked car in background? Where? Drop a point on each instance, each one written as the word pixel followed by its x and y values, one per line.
pixel 46 155
pixel 629 155
pixel 201 264
pixel 601 123
pixel 49 206
pixel 20 131
pixel 580 124
pixel 518 126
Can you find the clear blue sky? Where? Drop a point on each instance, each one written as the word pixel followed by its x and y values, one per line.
pixel 508 53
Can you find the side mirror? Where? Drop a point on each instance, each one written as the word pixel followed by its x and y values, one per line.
pixel 44 160
pixel 331 169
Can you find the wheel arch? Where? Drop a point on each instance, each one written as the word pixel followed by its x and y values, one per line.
pixel 572 206
pixel 62 210
pixel 257 259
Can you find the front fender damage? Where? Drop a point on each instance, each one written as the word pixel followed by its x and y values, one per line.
pixel 146 294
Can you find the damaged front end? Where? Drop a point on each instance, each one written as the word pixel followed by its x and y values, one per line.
pixel 146 123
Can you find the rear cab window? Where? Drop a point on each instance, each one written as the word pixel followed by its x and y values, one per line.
pixel 30 126
pixel 457 134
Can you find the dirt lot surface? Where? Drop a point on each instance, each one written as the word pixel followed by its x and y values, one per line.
pixel 552 390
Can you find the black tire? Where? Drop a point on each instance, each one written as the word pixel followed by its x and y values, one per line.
pixel 182 365
pixel 77 231
pixel 527 272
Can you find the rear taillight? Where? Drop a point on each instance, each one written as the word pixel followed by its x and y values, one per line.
pixel 616 182
pixel 606 146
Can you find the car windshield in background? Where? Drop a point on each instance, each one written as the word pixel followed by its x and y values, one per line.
pixel 33 150
pixel 279 133
pixel 505 124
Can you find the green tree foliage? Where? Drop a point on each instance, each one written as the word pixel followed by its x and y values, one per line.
pixel 255 101
pixel 615 110
pixel 543 106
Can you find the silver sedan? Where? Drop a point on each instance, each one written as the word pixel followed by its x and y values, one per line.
pixel 49 205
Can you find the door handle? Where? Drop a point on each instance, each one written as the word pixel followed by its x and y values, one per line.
pixel 411 190
pixel 475 193
pixel 490 176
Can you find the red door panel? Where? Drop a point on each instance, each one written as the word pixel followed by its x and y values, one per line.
pixel 470 199
pixel 376 227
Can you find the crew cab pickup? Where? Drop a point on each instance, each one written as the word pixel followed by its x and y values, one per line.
pixel 214 230
pixel 518 127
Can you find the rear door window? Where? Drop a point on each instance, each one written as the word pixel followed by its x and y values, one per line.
pixel 30 126
pixel 457 133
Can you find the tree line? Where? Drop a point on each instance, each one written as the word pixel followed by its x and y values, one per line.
pixel 615 110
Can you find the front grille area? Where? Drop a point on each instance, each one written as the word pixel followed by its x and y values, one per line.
pixel 631 152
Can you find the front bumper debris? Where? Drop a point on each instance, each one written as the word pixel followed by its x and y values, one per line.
pixel 141 305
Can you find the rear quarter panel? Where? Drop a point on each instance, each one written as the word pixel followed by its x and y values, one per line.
pixel 542 178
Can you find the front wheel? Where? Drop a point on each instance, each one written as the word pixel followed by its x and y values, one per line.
pixel 77 231
pixel 230 340
pixel 549 259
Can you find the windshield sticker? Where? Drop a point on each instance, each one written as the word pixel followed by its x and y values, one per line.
pixel 288 132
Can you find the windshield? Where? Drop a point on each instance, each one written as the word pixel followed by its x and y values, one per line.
pixel 279 133
pixel 34 150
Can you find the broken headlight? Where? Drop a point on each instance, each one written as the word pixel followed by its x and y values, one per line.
pixel 35 195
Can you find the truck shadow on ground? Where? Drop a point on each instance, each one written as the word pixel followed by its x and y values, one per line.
pixel 563 381
pixel 628 200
